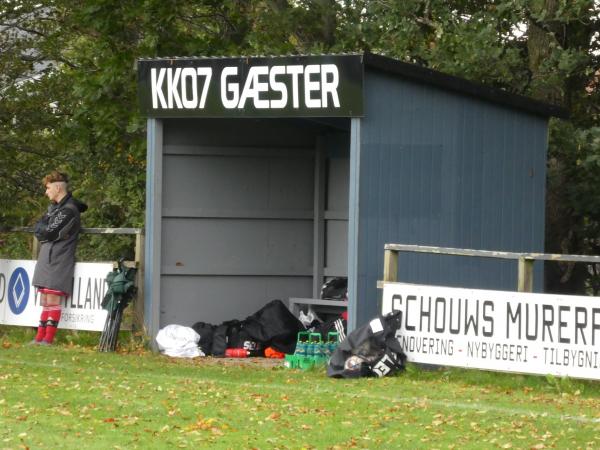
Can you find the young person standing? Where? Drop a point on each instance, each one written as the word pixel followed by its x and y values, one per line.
pixel 58 232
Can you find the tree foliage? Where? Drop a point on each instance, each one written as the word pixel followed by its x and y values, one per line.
pixel 68 84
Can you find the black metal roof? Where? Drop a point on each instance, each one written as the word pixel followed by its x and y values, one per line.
pixel 428 76
pixel 463 86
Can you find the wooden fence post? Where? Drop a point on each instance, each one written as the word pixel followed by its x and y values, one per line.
pixel 390 265
pixel 35 247
pixel 525 275
pixel 138 306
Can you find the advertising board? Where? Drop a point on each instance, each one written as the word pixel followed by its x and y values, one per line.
pixel 498 330
pixel 20 303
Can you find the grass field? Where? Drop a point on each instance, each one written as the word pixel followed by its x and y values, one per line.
pixel 70 396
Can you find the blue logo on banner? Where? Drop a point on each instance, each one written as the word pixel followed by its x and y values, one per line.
pixel 18 291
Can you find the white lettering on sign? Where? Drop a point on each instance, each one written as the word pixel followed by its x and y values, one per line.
pixel 330 77
pixel 188 83
pixel 181 80
pixel 230 93
pixel 314 86
pixel 156 82
pixel 173 88
pixel 278 86
pixel 205 72
pixel 295 72
pixel 254 87
pixel 497 330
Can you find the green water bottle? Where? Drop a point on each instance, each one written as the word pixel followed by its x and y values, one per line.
pixel 314 346
pixel 302 344
pixel 333 338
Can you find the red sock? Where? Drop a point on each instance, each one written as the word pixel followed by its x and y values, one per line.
pixel 52 324
pixel 41 331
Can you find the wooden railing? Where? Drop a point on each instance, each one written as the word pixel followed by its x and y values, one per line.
pixel 524 268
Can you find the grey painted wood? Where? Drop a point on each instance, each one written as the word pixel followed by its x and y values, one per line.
pixel 227 245
pixel 238 224
pixel 337 248
pixel 354 304
pixel 336 214
pixel 239 213
pixel 338 179
pixel 337 183
pixel 319 218
pixel 187 300
pixel 241 133
pixel 152 278
pixel 252 182
pixel 208 150
pixel 317 305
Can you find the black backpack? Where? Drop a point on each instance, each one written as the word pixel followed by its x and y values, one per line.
pixel 206 331
pixel 337 325
pixel 274 326
pixel 221 337
pixel 371 350
pixel 335 288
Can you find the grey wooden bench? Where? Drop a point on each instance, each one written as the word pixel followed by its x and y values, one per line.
pixel 295 305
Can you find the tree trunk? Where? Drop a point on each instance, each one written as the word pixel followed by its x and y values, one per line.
pixel 540 43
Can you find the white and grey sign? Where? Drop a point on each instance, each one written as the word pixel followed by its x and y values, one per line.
pixel 81 311
pixel 498 330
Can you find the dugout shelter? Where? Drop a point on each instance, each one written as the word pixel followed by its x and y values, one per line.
pixel 268 175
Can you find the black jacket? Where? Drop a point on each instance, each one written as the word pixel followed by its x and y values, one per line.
pixel 57 232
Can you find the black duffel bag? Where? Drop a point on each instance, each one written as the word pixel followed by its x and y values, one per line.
pixel 371 350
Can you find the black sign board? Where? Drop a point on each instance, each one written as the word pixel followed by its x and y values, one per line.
pixel 291 86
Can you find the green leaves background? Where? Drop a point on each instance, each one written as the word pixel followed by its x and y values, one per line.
pixel 68 87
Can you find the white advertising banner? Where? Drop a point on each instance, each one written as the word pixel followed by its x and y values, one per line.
pixel 497 330
pixel 20 303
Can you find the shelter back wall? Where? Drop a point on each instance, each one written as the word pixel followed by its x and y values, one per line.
pixel 237 212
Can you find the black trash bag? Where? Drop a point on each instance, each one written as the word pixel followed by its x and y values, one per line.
pixel 274 326
pixel 337 325
pixel 241 338
pixel 335 288
pixel 371 350
pixel 206 331
pixel 121 290
pixel 230 334
pixel 222 335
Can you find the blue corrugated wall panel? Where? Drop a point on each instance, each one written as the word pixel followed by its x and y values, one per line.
pixel 443 169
